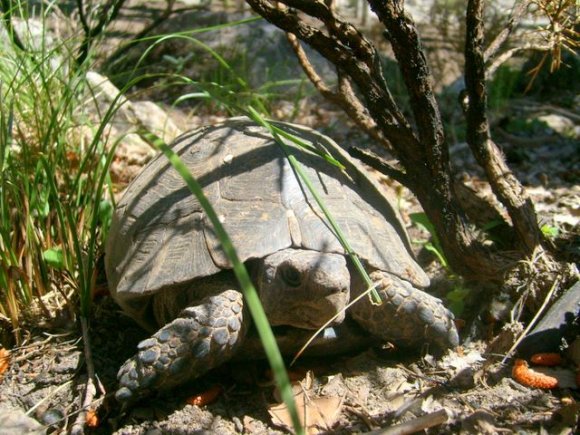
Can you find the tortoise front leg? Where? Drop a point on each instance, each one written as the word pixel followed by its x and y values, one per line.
pixel 200 338
pixel 407 316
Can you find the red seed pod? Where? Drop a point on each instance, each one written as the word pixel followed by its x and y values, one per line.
pixel 530 378
pixel 547 359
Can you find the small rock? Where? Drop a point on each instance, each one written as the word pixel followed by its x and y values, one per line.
pixel 15 421
pixel 52 416
pixel 558 123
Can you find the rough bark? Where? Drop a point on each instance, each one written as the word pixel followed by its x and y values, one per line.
pixel 503 182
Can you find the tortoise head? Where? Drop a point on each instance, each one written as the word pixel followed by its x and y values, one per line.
pixel 303 288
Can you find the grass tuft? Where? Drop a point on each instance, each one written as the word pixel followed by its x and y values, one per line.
pixel 54 171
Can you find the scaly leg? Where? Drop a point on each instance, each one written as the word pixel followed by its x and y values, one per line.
pixel 200 338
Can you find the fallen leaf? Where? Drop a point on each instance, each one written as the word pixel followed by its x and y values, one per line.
pixel 317 414
pixel 429 405
pixel 205 398
pixel 457 361
pixel 298 386
pixel 4 362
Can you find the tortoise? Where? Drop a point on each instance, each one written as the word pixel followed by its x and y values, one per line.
pixel 166 268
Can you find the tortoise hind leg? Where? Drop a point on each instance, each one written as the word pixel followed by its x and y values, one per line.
pixel 407 316
pixel 200 338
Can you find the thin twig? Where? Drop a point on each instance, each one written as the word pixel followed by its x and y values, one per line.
pixel 378 164
pixel 508 54
pixel 532 323
pixel 345 97
pixel 48 397
pixel 520 7
pixel 167 12
pixel 420 423
pixel 109 12
pixel 308 69
pixel 92 381
pixel 83 17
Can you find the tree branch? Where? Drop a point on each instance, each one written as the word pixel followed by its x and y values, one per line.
pixel 503 183
pixel 520 7
pixel 345 97
pixel 108 13
pixel 357 58
pixel 377 164
pixel 401 32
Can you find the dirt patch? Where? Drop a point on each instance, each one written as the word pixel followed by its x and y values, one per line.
pixel 374 389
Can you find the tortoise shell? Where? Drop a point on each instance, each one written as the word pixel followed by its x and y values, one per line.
pixel 160 236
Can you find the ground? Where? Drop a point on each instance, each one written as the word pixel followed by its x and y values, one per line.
pixel 366 391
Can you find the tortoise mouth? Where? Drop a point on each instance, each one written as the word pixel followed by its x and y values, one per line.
pixel 343 338
pixel 308 319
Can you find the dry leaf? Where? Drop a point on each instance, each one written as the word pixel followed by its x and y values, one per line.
pixel 430 405
pixel 457 361
pixel 298 385
pixel 316 414
pixel 4 362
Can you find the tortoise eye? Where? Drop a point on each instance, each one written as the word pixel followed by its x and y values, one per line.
pixel 291 276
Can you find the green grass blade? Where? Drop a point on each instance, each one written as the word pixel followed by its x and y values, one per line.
pixel 375 298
